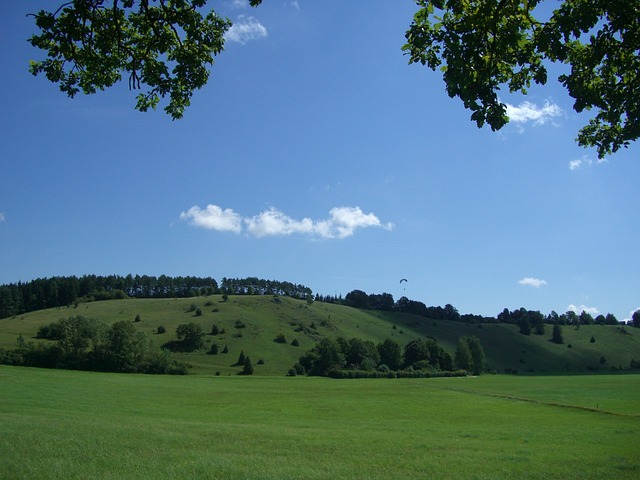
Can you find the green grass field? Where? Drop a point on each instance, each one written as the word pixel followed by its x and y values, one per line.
pixel 76 425
pixel 264 318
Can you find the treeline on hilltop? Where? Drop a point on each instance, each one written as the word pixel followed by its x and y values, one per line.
pixel 258 286
pixel 23 297
pixel 527 320
pixel 41 293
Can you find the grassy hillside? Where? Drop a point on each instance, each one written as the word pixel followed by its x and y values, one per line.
pixel 265 317
pixel 78 425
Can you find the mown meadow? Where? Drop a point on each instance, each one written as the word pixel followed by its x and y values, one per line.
pixel 70 425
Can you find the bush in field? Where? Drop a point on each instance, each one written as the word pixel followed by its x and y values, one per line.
pixel 214 349
pixel 53 331
pixel 280 338
pixel 161 329
pixel 215 330
pixel 190 338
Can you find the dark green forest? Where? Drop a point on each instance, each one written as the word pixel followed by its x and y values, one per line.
pixel 23 297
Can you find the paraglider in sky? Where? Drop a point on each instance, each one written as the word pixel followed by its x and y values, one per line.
pixel 403 280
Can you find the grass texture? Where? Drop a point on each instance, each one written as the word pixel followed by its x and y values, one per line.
pixel 78 425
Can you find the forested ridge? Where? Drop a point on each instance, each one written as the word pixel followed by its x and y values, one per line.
pixel 22 297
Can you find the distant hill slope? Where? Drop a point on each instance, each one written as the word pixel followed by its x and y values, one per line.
pixel 251 324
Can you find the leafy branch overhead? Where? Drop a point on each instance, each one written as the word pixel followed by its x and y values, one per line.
pixel 165 45
pixel 480 45
pixel 483 45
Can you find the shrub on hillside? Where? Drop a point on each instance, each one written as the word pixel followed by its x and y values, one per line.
pixel 247 368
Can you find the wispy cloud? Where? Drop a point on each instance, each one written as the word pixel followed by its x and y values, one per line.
pixel 342 222
pixel 530 112
pixel 2 217
pixel 583 308
pixel 245 30
pixel 532 282
pixel 583 162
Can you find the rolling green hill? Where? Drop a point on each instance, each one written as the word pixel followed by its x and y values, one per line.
pixel 251 324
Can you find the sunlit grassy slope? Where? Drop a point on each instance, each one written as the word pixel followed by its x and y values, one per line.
pixel 265 317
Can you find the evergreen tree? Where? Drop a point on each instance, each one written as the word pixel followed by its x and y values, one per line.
pixel 557 334
pixel 241 358
pixel 247 368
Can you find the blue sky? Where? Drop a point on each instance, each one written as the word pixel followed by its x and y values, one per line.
pixel 317 155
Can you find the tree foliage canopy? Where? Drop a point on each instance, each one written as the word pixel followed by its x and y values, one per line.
pixel 480 45
pixel 166 45
pixel 483 45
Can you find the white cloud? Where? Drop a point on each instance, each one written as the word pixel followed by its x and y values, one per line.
pixel 583 162
pixel 2 217
pixel 345 221
pixel 530 112
pixel 240 3
pixel 273 222
pixel 532 282
pixel 593 311
pixel 213 218
pixel 245 29
pixel 342 222
pixel 575 164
